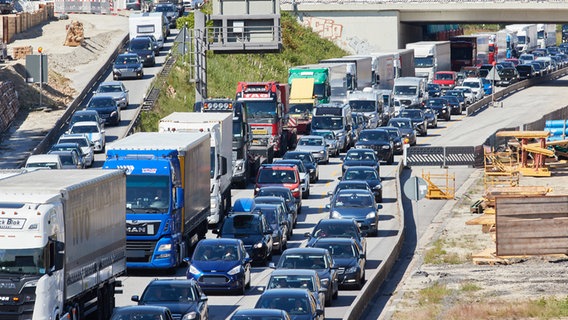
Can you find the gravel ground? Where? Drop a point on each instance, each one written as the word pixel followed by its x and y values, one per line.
pixel 474 291
pixel 70 70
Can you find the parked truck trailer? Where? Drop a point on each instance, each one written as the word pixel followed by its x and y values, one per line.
pixel 220 126
pixel 63 243
pixel 167 195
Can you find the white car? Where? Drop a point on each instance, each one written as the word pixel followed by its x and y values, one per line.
pixel 476 85
pixel 93 131
pixel 468 94
pixel 83 142
pixel 116 90
pixel 43 161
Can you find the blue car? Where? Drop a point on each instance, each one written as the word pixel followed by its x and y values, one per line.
pixel 250 314
pixel 487 86
pixel 358 205
pixel 220 264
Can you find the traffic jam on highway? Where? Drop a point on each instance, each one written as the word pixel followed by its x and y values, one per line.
pixel 293 214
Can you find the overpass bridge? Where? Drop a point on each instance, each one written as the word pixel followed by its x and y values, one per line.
pixel 362 26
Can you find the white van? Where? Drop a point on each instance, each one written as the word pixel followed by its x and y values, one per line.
pixel 148 23
pixel 43 161
pixel 410 91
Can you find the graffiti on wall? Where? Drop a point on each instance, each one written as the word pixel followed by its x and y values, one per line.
pixel 359 46
pixel 325 28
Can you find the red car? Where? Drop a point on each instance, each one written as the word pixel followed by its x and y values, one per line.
pixel 285 175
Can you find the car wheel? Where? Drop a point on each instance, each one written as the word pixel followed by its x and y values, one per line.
pixel 390 160
pixel 336 293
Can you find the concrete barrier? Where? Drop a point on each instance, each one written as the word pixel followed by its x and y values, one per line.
pixel 374 282
pixel 54 133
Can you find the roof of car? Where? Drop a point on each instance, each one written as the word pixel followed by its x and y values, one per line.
pixel 273 198
pixel 85 111
pixel 361 149
pixel 43 157
pixel 358 192
pixel 86 123
pixel 286 292
pixel 337 221
pixel 174 281
pixel 334 240
pixel 140 308
pixel 305 250
pixel 296 272
pixel 219 241
pixel 128 54
pixel 275 188
pixel 110 83
pixel 279 166
pixel 259 312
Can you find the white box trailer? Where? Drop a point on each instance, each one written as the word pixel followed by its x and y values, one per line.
pixel 220 126
pixel 148 23
pixel 63 241
pixel 430 57
pixel 363 69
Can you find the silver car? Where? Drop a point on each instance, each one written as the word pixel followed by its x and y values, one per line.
pixel 331 141
pixel 84 143
pixel 115 90
pixel 316 145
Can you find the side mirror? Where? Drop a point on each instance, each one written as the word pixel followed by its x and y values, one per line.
pixel 102 131
pixel 319 312
pixel 272 265
pixel 223 165
pixel 322 290
pixel 338 178
pixel 187 260
pixel 135 298
pixel 329 193
pixel 203 298
pixel 327 206
pixel 307 234
pixel 248 259
pixel 363 256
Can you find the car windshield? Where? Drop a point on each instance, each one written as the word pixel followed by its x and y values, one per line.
pixel 292 305
pixel 50 165
pixel 330 229
pixel 79 141
pixel 276 176
pixel 393 133
pixel 168 292
pixel 137 315
pixel 325 134
pixel 351 186
pixel 144 44
pixel 272 193
pixel 101 103
pixel 444 76
pixel 411 113
pixel 215 252
pixel 270 215
pixel 66 159
pixel 302 261
pixel 127 60
pixel 472 84
pixel 310 142
pixel 292 281
pixel 361 174
pixel 83 117
pixel 147 194
pixel 363 106
pixel 241 224
pixel 110 88
pixel 85 129
pixel 324 122
pixel 360 155
pixel 352 200
pixel 400 124
pixel 342 250
pixel 373 135
pixel 405 90
pixel 305 157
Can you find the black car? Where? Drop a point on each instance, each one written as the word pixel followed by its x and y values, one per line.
pixel 431 117
pixel 360 157
pixel 144 48
pixel 441 106
pixel 507 76
pixel 348 258
pixel 85 115
pixel 141 312
pixel 276 218
pixel 454 103
pixel 68 146
pixel 316 259
pixel 526 71
pixel 260 314
pixel 309 162
pixel 253 230
pixel 107 108
pixel 298 303
pixel 170 11
pixel 184 298
pixel 155 44
pixel 349 185
pixel 417 118
pixel 404 125
pixel 359 205
pixel 458 94
pixel 396 138
pixel 289 216
pixel 337 228
pixel 379 141
pixel 127 65
pixel 434 90
pixel 367 174
pixel 284 193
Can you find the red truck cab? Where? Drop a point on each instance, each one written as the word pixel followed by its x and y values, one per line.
pixel 446 79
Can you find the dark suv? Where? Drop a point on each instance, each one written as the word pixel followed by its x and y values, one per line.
pixel 144 48
pixel 284 175
pixel 379 141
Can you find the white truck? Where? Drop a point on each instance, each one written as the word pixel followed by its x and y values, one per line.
pixel 363 75
pixel 430 57
pixel 382 69
pixel 546 35
pixel 526 37
pixel 369 103
pixel 341 80
pixel 220 126
pixel 62 243
pixel 148 23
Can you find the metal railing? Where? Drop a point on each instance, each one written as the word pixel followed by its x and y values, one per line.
pixel 244 37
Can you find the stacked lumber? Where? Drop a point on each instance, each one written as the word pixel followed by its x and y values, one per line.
pixel 75 34
pixel 21 52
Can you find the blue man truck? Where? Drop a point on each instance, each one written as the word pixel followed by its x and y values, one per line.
pixel 167 195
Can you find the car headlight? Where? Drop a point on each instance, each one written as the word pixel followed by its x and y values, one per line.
pixel 295 189
pixel 115 70
pixel 149 56
pixel 257 189
pixel 258 245
pixel 322 151
pixel 398 143
pixel 335 215
pixel 371 215
pixel 234 271
pixel 324 282
pixel 165 247
pixel 114 113
pixel 190 316
pixel 213 204
pixel 386 147
pixel 193 270
pixel 351 270
pixel 444 110
pixel 312 170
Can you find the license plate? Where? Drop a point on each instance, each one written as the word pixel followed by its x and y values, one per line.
pixel 256 142
pixel 259 131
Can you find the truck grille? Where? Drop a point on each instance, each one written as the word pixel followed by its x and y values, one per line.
pixel 406 102
pixel 139 251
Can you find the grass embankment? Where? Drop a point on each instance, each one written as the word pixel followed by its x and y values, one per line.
pixel 300 46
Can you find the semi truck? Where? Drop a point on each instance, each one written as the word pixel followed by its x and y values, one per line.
pixel 266 105
pixel 469 51
pixel 167 195
pixel 63 243
pixel 545 35
pixel 244 163
pixel 362 75
pixel 220 126
pixel 341 81
pixel 498 46
pixel 526 37
pixel 369 103
pixel 382 69
pixel 148 23
pixel 430 57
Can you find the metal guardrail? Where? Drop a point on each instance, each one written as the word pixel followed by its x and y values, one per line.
pixel 486 101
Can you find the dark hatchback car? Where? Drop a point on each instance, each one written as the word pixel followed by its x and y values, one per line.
pixel 276 218
pixel 336 228
pixel 127 65
pixel 396 138
pixel 418 119
pixel 253 230
pixel 309 162
pixel 315 259
pixel 85 115
pixel 141 312
pixel 404 125
pixel 107 108
pixel 300 304
pixel 360 157
pixel 434 90
pixel 359 205
pixel 220 265
pixel 144 48
pixel 454 103
pixel 349 185
pixel 366 174
pixel 459 95
pixel 184 298
pixel 507 76
pixel 288 215
pixel 348 259
pixel 441 106
pixel 260 314
pixel 526 71
pixel 379 141
pixel 284 193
